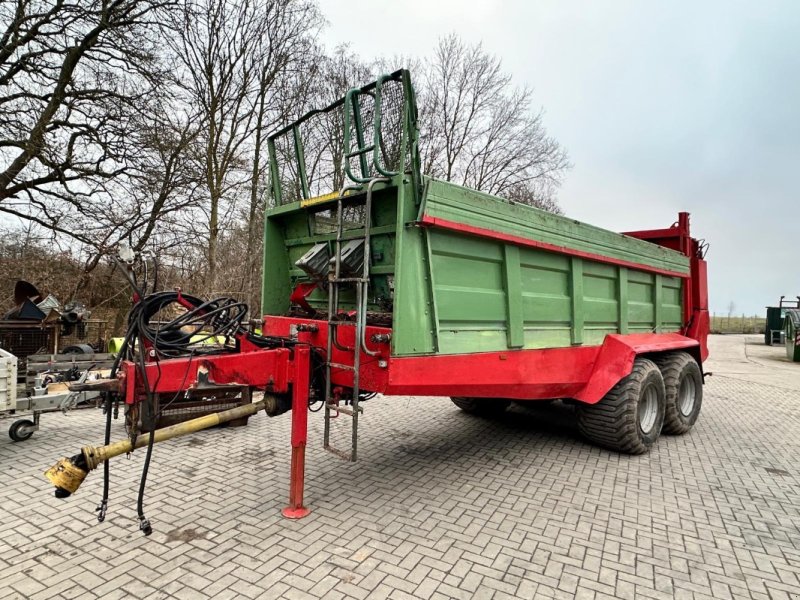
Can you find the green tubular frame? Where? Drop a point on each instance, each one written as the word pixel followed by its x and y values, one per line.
pixel 370 163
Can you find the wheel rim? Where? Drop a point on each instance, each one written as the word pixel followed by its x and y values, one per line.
pixel 686 396
pixel 648 409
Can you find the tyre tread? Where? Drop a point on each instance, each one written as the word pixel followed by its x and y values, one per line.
pixel 671 365
pixel 612 422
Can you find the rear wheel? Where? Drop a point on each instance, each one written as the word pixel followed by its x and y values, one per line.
pixel 481 406
pixel 683 382
pixel 629 418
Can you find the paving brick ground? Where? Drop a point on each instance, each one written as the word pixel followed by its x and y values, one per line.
pixel 442 505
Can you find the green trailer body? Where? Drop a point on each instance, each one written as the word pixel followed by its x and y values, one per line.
pixel 470 272
pixel 464 294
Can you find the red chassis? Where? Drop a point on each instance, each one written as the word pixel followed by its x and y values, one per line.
pixel 277 371
pixel 584 373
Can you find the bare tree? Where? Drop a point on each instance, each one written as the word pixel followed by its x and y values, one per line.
pixel 230 57
pixel 70 74
pixel 480 131
pixel 82 125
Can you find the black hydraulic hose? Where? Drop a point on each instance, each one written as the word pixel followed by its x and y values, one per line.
pixel 102 507
pixel 155 274
pixel 144 524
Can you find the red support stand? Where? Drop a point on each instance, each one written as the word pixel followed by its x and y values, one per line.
pixel 302 368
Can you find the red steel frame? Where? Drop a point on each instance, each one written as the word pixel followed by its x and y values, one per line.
pixel 275 371
pixel 584 373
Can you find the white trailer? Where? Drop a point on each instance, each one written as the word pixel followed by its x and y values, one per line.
pixel 45 397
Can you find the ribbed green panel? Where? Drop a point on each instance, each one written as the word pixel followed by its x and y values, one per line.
pixel 470 296
pixel 462 205
pixel 557 301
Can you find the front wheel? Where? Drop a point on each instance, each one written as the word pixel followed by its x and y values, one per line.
pixel 683 382
pixel 629 418
pixel 484 407
pixel 21 430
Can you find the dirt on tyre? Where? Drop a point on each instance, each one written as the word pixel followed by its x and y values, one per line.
pixel 629 418
pixel 683 382
pixel 484 407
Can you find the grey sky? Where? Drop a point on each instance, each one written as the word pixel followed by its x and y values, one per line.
pixel 663 106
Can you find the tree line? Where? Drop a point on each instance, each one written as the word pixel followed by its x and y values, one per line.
pixel 145 121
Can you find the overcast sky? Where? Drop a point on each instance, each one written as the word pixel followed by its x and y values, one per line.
pixel 662 106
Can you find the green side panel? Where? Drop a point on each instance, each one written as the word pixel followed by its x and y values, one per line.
pixel 414 329
pixel 546 299
pixel 470 293
pixel 490 296
pixel 671 304
pixel 275 290
pixel 465 206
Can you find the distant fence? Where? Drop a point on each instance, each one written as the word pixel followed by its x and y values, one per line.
pixel 741 324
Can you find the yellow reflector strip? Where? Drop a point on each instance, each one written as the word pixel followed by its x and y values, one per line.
pixel 319 199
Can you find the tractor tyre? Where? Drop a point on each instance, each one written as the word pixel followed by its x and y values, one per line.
pixel 628 418
pixel 683 382
pixel 484 407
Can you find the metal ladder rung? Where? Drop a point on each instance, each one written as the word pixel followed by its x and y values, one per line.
pixel 348 456
pixel 360 151
pixel 344 410
pixel 342 366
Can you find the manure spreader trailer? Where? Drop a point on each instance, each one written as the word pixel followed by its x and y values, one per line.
pixel 378 279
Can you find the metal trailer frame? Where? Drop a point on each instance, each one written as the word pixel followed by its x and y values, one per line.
pixel 776 317
pixel 408 354
pixel 11 402
pixel 22 429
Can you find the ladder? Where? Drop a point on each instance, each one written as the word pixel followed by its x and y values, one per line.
pixel 335 282
pixel 356 147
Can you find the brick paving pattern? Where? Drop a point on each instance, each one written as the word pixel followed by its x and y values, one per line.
pixel 441 505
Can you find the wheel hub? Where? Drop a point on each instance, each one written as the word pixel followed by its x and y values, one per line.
pixel 686 396
pixel 648 409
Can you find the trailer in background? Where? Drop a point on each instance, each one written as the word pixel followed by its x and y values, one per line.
pixel 792 334
pixel 46 386
pixel 776 319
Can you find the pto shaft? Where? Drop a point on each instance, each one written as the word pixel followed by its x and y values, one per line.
pixel 68 473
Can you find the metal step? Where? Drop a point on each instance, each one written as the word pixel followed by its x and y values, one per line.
pixel 344 410
pixel 348 456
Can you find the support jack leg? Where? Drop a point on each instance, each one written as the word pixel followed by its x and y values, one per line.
pixel 296 510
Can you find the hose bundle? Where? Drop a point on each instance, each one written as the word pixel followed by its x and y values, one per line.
pixel 219 321
pixel 186 333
